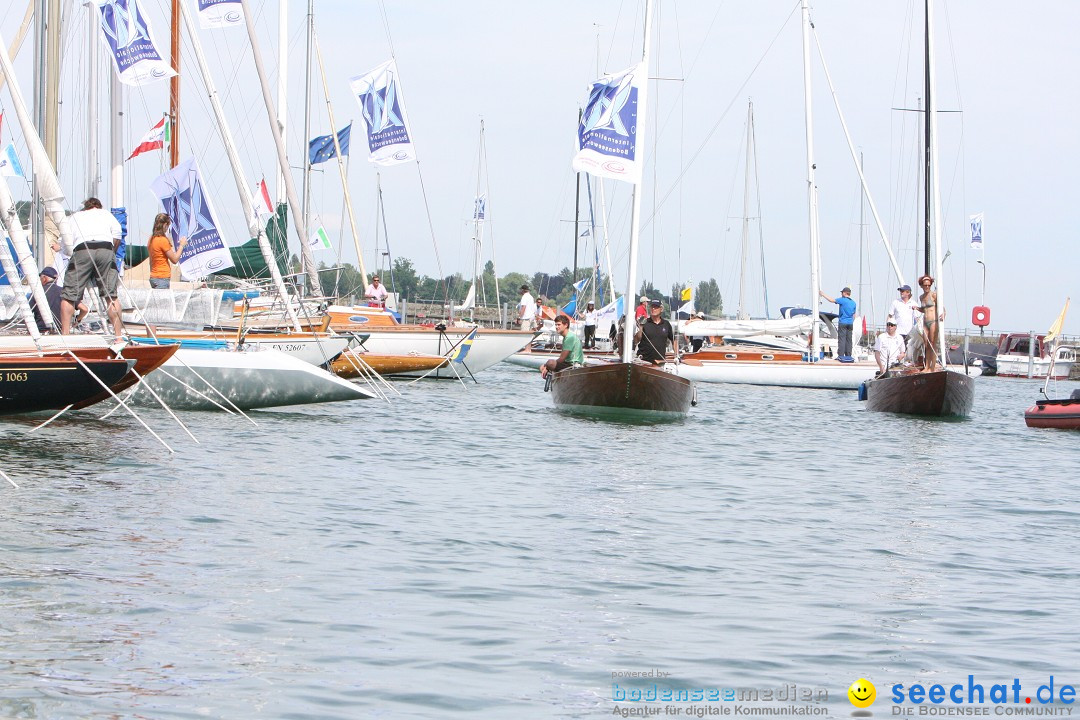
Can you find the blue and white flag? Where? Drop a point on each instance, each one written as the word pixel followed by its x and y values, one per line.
pixel 127 33
pixel 480 208
pixel 579 287
pixel 322 148
pixel 610 313
pixel 608 137
pixel 215 14
pixel 187 204
pixel 9 163
pixel 383 108
pixel 976 231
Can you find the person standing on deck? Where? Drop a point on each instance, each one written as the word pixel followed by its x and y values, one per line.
pixel 526 309
pixel 902 312
pixel 845 323
pixel 589 316
pixel 655 334
pixel 162 253
pixel 95 235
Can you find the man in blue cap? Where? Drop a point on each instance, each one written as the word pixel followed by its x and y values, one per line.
pixel 844 324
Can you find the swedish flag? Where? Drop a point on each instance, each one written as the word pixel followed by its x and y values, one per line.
pixel 463 348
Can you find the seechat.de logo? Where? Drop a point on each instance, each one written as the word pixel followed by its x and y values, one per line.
pixel 862 693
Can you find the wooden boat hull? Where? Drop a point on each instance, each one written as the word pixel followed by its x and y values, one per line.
pixel 489 347
pixel 1057 414
pixel 941 393
pixel 33 384
pixel 386 365
pixel 622 390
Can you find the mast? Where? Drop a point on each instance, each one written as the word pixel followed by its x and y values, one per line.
pixel 477 226
pixel 52 81
pixel 174 87
pixel 116 140
pixel 283 84
pixel 254 226
pixel 934 187
pixel 635 226
pixel 93 177
pixel 307 113
pixel 811 188
pixel 41 35
pixel 743 314
pixel 577 215
pixel 283 162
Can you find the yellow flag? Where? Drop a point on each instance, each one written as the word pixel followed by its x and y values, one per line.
pixel 1055 329
pixel 687 293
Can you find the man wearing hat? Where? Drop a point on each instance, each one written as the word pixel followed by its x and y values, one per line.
pixel 526 309
pixel 642 310
pixel 844 323
pixel 52 294
pixel 889 347
pixel 902 312
pixel 656 333
pixel 589 316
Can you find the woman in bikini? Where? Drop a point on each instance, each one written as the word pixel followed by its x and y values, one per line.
pixel 930 322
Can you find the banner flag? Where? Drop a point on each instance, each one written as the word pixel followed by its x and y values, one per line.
pixel 976 231
pixel 480 208
pixel 383 108
pixel 608 142
pixel 687 307
pixel 571 307
pixel 9 163
pixel 127 33
pixel 322 148
pixel 611 312
pixel 319 240
pixel 188 206
pixel 215 14
pixel 1055 329
pixel 687 293
pixel 261 204
pixel 155 139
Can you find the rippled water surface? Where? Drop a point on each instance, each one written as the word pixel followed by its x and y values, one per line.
pixel 469 552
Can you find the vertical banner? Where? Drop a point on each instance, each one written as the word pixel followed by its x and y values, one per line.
pixel 215 14
pixel 608 142
pixel 127 33
pixel 188 206
pixel 976 231
pixel 480 208
pixel 383 108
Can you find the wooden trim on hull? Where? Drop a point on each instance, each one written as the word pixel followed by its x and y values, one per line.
pixel 622 389
pixel 941 393
pixel 1054 414
pixel 386 365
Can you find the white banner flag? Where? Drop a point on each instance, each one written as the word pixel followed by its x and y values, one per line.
pixel 127 32
pixel 608 141
pixel 261 205
pixel 976 231
pixel 319 240
pixel 220 13
pixel 383 108
pixel 188 206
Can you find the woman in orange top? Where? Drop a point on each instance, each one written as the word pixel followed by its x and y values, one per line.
pixel 162 253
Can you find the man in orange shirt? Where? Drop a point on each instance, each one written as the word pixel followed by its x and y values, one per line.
pixel 162 253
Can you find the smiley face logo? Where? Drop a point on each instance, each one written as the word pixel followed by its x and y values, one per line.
pixel 862 693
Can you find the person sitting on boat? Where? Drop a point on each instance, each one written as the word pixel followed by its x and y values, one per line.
pixel 52 295
pixel 526 309
pixel 696 341
pixel 162 253
pixel 845 323
pixel 903 311
pixel 931 322
pixel 641 312
pixel 889 348
pixel 571 355
pixel 376 293
pixel 655 334
pixel 589 316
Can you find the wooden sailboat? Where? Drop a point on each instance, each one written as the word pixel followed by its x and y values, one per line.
pixel 32 383
pixel 933 392
pixel 625 388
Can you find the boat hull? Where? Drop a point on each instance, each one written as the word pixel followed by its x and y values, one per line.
pixel 34 384
pixel 941 393
pixel 1056 414
pixel 824 374
pixel 1010 366
pixel 250 380
pixel 488 348
pixel 349 364
pixel 147 358
pixel 622 390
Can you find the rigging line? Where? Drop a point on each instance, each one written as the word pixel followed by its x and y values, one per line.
pixel 723 115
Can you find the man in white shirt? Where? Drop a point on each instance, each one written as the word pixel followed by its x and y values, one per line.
pixel 590 316
pixel 526 309
pixel 94 234
pixel 376 293
pixel 903 310
pixel 889 347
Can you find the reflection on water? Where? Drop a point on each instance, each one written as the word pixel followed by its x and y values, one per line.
pixel 471 550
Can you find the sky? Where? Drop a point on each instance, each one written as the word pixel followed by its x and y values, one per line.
pixel 1007 139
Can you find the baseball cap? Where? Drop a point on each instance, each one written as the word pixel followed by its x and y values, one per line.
pixel 701 315
pixel 656 303
pixel 890 321
pixel 902 288
pixel 50 271
pixel 846 290
pixel 644 298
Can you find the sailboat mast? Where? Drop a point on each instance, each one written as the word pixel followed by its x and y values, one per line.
pixel 811 187
pixel 743 314
pixel 307 113
pixel 934 189
pixel 577 213
pixel 635 225
pixel 174 87
pixel 93 177
pixel 282 85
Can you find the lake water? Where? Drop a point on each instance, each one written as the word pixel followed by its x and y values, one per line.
pixel 469 552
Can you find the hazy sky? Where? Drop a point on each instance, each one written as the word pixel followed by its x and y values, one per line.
pixel 1011 153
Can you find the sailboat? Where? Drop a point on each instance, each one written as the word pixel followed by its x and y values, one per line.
pixel 610 140
pixel 1062 414
pixel 911 391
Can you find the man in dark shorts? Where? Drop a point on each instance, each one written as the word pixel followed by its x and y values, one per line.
pixel 94 235
pixel 656 333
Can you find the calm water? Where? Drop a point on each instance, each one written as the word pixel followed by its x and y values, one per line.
pixel 468 552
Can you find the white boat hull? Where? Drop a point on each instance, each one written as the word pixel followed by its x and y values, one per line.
pixel 489 347
pixel 1017 366
pixel 251 379
pixel 826 374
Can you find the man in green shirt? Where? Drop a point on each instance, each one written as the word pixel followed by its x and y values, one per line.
pixel 571 354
